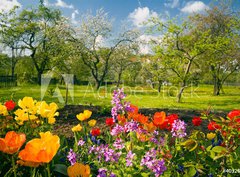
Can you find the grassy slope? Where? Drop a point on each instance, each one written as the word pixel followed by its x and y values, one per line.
pixel 196 98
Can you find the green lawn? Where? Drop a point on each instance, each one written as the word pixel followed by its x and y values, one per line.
pixel 196 98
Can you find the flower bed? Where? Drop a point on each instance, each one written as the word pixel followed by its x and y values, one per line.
pixel 130 144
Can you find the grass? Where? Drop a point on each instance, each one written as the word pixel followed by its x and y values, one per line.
pixel 194 98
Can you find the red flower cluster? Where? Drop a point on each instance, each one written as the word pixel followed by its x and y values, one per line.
pixel 10 105
pixel 196 121
pixel 109 122
pixel 95 132
pixel 234 114
pixel 169 121
pixel 213 126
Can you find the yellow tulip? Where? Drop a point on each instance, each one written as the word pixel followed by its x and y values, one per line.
pixel 84 116
pixel 51 120
pixel 87 113
pixel 21 116
pixel 26 103
pixel 211 135
pixel 92 123
pixel 3 110
pixel 77 128
pixel 48 111
pixel 78 169
pixel 81 117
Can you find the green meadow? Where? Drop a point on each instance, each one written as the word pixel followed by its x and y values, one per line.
pixel 194 98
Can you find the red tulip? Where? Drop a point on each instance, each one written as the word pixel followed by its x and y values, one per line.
pixel 196 121
pixel 109 122
pixel 234 114
pixel 95 132
pixel 10 105
pixel 213 126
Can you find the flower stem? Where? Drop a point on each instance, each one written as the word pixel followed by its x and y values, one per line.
pixel 14 167
pixel 48 170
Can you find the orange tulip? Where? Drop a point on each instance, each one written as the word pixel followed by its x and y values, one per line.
pixel 142 137
pixel 159 118
pixel 12 142
pixel 78 169
pixel 150 127
pixel 40 150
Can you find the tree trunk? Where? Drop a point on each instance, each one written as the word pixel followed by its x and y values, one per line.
pixel 119 78
pixel 39 77
pixel 179 96
pixel 159 85
pixel 98 84
pixel 13 71
pixel 217 86
pixel 13 64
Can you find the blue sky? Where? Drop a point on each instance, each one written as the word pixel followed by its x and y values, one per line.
pixel 134 12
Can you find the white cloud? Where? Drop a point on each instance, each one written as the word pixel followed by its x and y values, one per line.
pixel 73 16
pixel 145 46
pixel 7 5
pixel 172 3
pixel 194 6
pixel 46 3
pixel 140 15
pixel 63 4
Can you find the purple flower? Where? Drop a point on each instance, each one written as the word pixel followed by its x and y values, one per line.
pixel 118 105
pixel 102 172
pixel 117 130
pixel 154 140
pixel 148 157
pixel 111 156
pixel 118 144
pixel 155 165
pixel 103 152
pixel 81 142
pixel 178 129
pixel 112 175
pixel 155 133
pixel 159 167
pixel 72 157
pixel 131 126
pixel 129 158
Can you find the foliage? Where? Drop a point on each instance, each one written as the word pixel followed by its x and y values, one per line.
pixel 132 144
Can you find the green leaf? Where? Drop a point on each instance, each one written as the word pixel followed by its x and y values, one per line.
pixel 60 168
pixel 192 171
pixel 219 149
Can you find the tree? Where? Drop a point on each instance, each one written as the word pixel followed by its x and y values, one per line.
pixel 95 44
pixel 123 57
pixel 10 37
pixel 223 55
pixel 154 70
pixel 180 47
pixel 37 34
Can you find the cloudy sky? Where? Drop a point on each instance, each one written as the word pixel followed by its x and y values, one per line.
pixel 135 11
pixel 131 11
